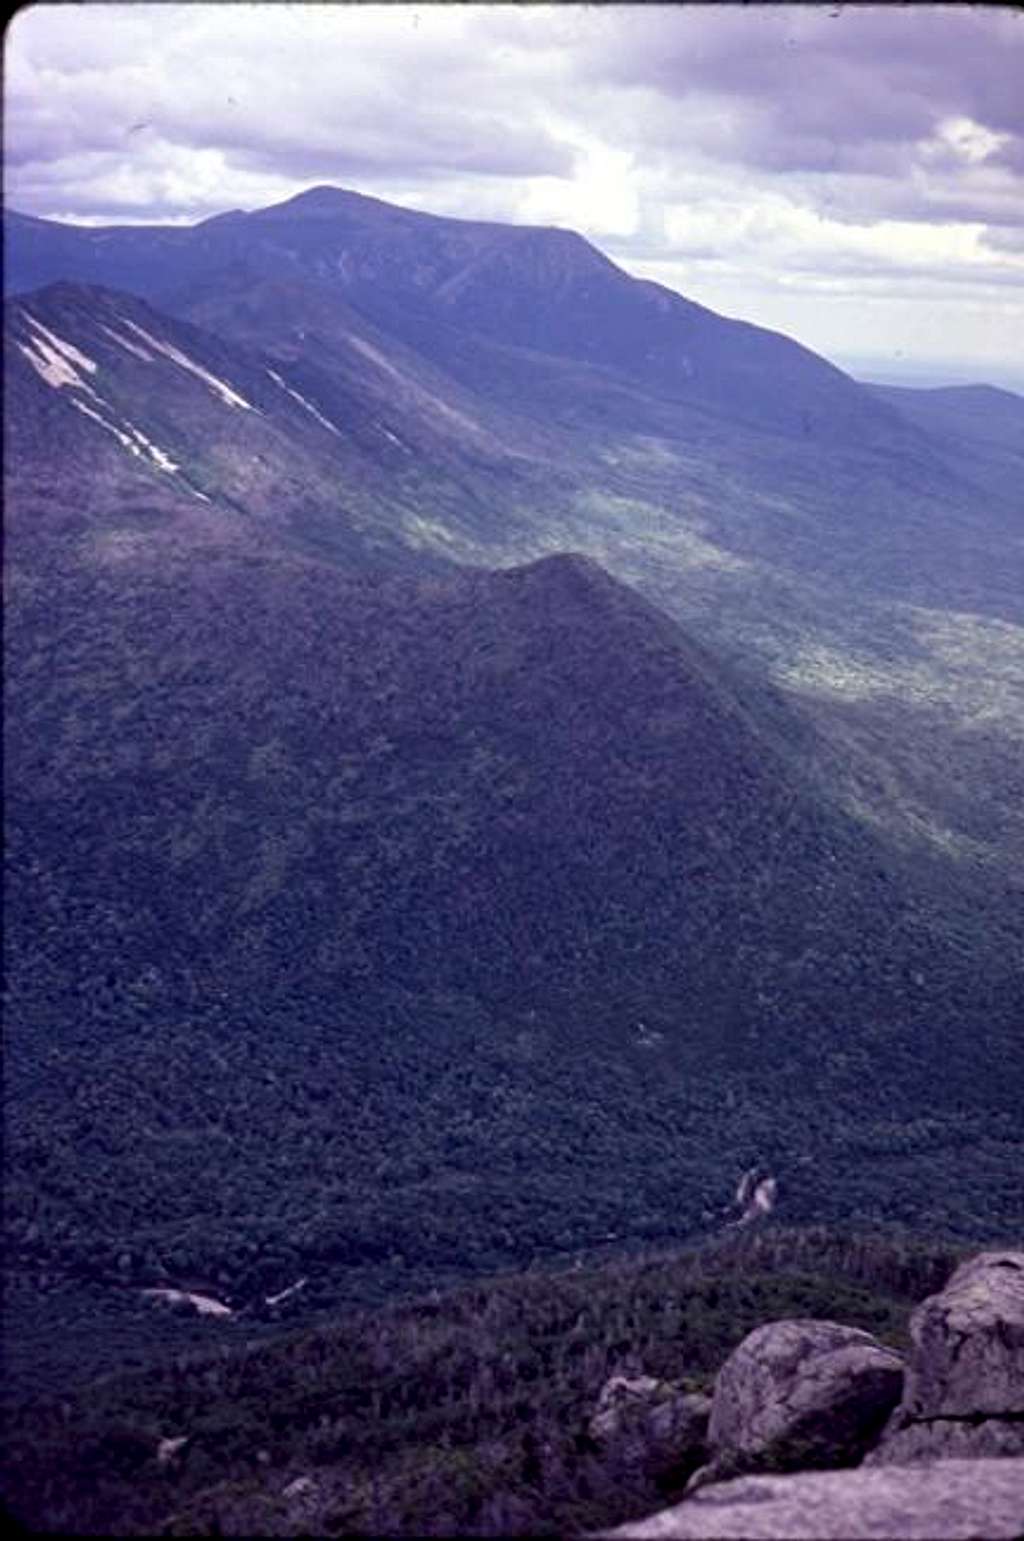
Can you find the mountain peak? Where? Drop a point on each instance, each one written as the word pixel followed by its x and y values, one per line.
pixel 574 590
pixel 562 572
pixel 323 194
pixel 327 202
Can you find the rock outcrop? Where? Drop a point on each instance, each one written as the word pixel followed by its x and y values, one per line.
pixel 800 1394
pixel 948 1462
pixel 644 1420
pixel 955 1500
pixel 170 1451
pixel 964 1389
pixel 304 1498
pixel 905 1443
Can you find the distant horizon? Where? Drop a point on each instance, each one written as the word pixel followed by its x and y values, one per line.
pixel 928 374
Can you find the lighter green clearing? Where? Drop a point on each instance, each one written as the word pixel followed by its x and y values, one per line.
pixel 968 665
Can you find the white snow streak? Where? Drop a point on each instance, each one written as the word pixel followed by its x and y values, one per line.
pixel 54 359
pixel 220 387
pixel 303 402
pixel 130 347
pixel 51 357
pixel 70 352
pixel 128 443
pixel 54 370
pixel 134 440
pixel 164 462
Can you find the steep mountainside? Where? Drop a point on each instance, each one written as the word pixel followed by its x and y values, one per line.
pixel 143 414
pixel 503 393
pixel 536 774
pixel 544 290
pixel 435 922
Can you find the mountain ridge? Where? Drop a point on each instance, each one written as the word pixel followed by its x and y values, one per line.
pixel 457 265
pixel 505 842
pixel 474 788
pixel 833 560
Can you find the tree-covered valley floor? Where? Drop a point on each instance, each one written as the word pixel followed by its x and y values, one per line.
pixel 458 1413
pixel 392 934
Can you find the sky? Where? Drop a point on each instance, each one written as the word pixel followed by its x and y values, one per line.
pixel 852 175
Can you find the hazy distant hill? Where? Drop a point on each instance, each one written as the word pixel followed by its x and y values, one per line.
pixel 982 425
pixel 537 289
pixel 350 393
pixel 529 395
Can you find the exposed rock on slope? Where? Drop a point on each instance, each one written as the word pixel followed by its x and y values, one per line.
pixel 964 1392
pixel 801 1393
pixel 969 1342
pixel 156 423
pixel 957 1500
pixel 519 287
pixel 810 1393
pixel 649 1421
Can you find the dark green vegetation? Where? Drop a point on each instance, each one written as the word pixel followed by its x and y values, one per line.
pixel 461 1414
pixel 384 931
pixel 381 920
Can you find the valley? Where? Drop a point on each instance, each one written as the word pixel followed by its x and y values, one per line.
pixel 494 752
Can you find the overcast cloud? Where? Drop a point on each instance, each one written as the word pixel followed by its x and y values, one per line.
pixel 851 175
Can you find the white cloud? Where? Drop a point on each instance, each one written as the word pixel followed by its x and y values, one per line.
pixel 774 161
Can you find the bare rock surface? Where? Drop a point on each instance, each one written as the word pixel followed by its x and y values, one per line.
pixel 665 1408
pixel 304 1502
pixel 968 1343
pixel 621 1396
pixel 682 1420
pixel 801 1393
pixel 169 1450
pixel 952 1500
pixel 642 1418
pixel 964 1389
pixel 938 1439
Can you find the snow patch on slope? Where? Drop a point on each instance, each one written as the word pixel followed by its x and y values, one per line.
pixel 125 439
pixel 136 442
pixel 66 349
pixel 124 342
pixel 58 362
pixel 220 388
pixel 54 359
pixel 303 402
pixel 134 439
pixel 156 454
pixel 53 369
